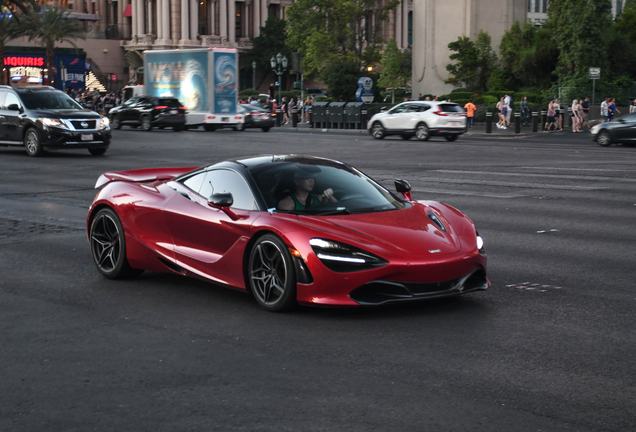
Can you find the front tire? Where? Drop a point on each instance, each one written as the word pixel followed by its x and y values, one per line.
pixel 146 123
pixel 377 131
pixel 116 123
pixel 97 151
pixel 406 137
pixel 265 129
pixel 422 133
pixel 32 143
pixel 271 276
pixel 209 128
pixel 604 139
pixel 108 246
pixel 240 127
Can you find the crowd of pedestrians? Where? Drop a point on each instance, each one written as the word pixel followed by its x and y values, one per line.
pixel 93 100
pixel 287 107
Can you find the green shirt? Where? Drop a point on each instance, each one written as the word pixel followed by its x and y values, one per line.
pixel 315 202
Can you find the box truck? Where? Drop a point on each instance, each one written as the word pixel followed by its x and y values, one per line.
pixel 204 81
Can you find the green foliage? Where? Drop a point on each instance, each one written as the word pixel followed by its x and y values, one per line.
pixel 474 61
pixel 459 95
pixel 328 32
pixel 342 81
pixel 459 89
pixel 395 68
pixel 270 42
pixel 581 35
pixel 499 79
pixel 626 22
pixel 485 100
pixel 529 55
pixel 52 25
pixel 248 92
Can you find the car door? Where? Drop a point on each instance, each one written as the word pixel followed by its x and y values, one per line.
pixel 413 115
pixel 394 118
pixel 125 113
pixel 208 240
pixel 11 119
pixel 625 128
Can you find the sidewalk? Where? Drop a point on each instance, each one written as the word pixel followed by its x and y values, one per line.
pixel 478 129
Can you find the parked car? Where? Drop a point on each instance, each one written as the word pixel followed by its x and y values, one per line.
pixel 42 118
pixel 420 119
pixel 350 242
pixel 149 112
pixel 254 117
pixel 622 130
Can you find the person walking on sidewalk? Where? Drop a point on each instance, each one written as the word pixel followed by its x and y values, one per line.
pixel 586 112
pixel 612 109
pixel 501 107
pixel 508 102
pixel 558 115
pixel 470 112
pixel 605 110
pixel 632 107
pixel 575 116
pixel 525 111
pixel 551 113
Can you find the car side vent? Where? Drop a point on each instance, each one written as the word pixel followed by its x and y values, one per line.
pixel 432 216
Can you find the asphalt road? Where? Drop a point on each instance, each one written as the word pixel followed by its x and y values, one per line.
pixel 550 347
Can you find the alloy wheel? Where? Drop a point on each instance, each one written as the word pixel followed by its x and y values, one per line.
pixel 377 130
pixel 105 243
pixel 421 132
pixel 270 274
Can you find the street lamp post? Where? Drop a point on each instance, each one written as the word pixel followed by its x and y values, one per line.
pixel 279 65
pixel 254 75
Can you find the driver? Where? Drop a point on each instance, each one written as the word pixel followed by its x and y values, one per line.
pixel 303 197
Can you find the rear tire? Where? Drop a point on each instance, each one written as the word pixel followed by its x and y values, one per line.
pixel 178 128
pixel 240 127
pixel 604 139
pixel 377 131
pixel 451 138
pixel 421 132
pixel 265 129
pixel 406 137
pixel 32 143
pixel 209 128
pixel 108 246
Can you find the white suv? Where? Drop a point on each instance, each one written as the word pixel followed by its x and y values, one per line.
pixel 420 119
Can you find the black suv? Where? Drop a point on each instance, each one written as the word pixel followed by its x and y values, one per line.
pixel 149 112
pixel 42 117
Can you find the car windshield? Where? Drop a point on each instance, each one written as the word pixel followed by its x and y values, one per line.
pixel 170 102
pixel 49 100
pixel 353 192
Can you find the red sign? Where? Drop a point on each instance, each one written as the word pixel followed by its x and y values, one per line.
pixel 113 77
pixel 24 61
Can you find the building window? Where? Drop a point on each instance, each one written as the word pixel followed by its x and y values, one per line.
pixel 537 6
pixel 239 19
pixel 272 10
pixel 619 7
pixel 203 17
pixel 545 5
pixel 410 28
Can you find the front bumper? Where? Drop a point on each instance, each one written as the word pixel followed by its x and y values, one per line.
pixel 53 138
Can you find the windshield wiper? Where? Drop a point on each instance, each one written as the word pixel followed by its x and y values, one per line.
pixel 338 211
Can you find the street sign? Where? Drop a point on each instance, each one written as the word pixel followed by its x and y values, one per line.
pixel 365 90
pixel 595 73
pixel 113 77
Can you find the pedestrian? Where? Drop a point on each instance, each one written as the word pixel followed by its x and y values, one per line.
pixel 574 117
pixel 420 97
pixel 308 104
pixel 605 110
pixel 612 109
pixel 299 110
pixel 428 98
pixel 508 102
pixel 283 108
pixel 585 105
pixel 557 115
pixel 501 107
pixel 268 105
pixel 580 116
pixel 434 98
pixel 272 89
pixel 632 107
pixel 550 122
pixel 525 111
pixel 470 112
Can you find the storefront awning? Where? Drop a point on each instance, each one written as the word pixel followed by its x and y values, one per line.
pixel 128 10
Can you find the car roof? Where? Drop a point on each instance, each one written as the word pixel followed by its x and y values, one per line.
pixel 252 163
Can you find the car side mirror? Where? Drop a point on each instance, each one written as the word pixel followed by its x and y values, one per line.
pixel 14 107
pixel 383 109
pixel 404 188
pixel 221 200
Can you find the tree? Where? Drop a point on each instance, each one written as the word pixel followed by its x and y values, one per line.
pixel 581 35
pixel 529 55
pixel 474 62
pixel 327 32
pixel 395 68
pixel 9 29
pixel 342 81
pixel 51 26
pixel 626 22
pixel 270 42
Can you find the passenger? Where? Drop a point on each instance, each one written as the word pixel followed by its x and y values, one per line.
pixel 303 197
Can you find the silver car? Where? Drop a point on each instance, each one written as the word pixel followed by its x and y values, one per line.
pixel 420 119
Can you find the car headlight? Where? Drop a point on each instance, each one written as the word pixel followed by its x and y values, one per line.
pixel 480 244
pixel 595 128
pixel 53 123
pixel 342 258
pixel 105 123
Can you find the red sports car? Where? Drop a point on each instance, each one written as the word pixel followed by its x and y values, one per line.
pixel 289 229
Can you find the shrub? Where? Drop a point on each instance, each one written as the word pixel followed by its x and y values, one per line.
pixel 248 92
pixel 459 90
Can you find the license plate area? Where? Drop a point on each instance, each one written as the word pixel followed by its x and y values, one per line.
pixel 87 137
pixel 225 119
pixel 173 111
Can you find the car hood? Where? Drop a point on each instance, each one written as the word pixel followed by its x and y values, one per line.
pixel 409 230
pixel 66 114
